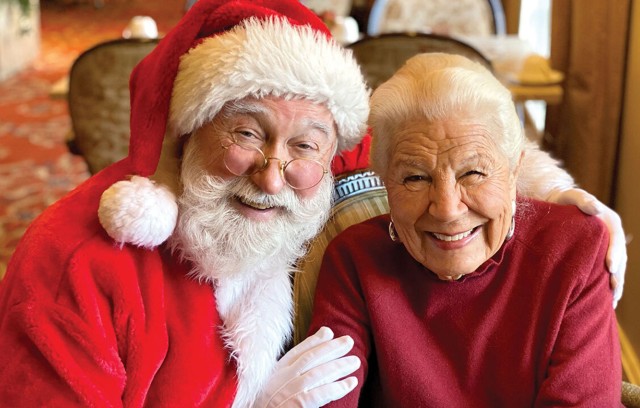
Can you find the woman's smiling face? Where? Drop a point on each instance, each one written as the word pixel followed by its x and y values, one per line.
pixel 450 192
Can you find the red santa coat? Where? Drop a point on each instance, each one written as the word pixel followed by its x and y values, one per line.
pixel 84 322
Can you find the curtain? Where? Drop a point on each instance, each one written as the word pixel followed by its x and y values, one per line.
pixel 588 44
pixel 512 14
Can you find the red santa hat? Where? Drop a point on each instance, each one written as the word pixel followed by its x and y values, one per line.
pixel 222 50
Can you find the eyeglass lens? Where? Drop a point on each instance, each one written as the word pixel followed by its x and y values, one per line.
pixel 246 160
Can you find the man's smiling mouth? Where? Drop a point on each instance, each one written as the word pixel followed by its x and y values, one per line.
pixel 254 204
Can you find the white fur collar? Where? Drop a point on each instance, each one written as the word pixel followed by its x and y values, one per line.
pixel 257 315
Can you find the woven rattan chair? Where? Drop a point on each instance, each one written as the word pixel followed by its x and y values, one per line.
pixel 381 56
pixel 630 372
pixel 630 395
pixel 99 100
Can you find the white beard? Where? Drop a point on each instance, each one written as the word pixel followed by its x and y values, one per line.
pixel 248 262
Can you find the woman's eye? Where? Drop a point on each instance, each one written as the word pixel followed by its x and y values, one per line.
pixel 472 177
pixel 414 179
pixel 473 173
pixel 416 182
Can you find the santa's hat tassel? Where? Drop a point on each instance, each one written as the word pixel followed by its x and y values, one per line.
pixel 138 211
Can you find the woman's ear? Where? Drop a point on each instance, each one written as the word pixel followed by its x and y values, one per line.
pixel 514 175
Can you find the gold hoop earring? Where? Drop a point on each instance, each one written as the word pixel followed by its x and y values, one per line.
pixel 393 234
pixel 512 228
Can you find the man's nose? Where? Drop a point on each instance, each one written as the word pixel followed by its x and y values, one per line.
pixel 270 179
pixel 445 201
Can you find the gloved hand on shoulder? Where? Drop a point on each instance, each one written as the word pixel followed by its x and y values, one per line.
pixel 311 374
pixel 617 252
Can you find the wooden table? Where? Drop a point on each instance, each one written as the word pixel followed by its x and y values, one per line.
pixel 509 54
pixel 60 88
pixel 551 94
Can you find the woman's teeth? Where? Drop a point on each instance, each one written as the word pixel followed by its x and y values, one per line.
pixel 456 237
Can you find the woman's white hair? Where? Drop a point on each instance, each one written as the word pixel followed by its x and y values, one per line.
pixel 436 86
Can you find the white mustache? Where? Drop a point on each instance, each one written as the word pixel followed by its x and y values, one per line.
pixel 244 189
pixel 250 193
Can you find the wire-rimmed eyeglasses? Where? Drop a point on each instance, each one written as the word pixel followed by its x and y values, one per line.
pixel 245 160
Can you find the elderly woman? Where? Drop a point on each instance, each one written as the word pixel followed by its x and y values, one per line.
pixel 467 294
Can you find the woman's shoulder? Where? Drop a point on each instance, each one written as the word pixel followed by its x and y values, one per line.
pixel 558 229
pixel 368 230
pixel 544 217
pixel 369 236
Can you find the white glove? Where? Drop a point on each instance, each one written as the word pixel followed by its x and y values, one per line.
pixel 307 376
pixel 617 252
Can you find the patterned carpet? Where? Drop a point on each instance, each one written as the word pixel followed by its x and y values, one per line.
pixel 36 168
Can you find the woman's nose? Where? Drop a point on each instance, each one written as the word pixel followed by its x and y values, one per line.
pixel 445 203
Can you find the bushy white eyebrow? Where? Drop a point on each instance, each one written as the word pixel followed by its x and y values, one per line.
pixel 243 107
pixel 240 107
pixel 321 126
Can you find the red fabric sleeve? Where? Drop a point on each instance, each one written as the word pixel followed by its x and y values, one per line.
pixel 587 339
pixel 339 304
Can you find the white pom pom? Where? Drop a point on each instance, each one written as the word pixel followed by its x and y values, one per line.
pixel 139 212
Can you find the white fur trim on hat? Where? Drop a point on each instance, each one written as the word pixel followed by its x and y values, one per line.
pixel 272 57
pixel 138 211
